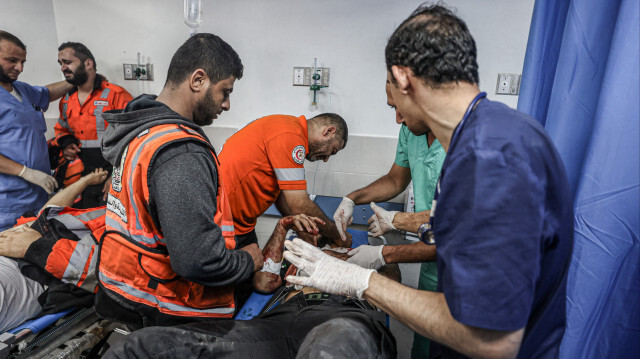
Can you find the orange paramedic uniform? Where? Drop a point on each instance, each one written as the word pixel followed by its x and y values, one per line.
pixel 134 261
pixel 259 161
pixel 85 121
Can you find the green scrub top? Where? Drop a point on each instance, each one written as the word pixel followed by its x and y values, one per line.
pixel 425 163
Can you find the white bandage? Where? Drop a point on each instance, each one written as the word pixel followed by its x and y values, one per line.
pixel 271 267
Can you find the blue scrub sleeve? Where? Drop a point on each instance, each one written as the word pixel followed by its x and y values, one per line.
pixel 41 97
pixel 490 217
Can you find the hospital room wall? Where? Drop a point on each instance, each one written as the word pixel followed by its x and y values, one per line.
pixel 272 37
pixel 34 24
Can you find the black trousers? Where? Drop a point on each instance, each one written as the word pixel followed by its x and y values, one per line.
pixel 334 329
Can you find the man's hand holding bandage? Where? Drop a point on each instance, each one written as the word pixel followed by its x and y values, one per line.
pixel 325 272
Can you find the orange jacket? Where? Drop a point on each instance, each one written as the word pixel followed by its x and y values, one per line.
pixel 259 161
pixel 65 172
pixel 134 261
pixel 85 121
pixel 68 244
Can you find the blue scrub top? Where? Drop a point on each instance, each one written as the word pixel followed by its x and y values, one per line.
pixel 22 139
pixel 504 229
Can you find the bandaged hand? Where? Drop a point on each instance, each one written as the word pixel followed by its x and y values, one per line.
pixel 367 256
pixel 48 183
pixel 382 220
pixel 324 272
pixel 344 216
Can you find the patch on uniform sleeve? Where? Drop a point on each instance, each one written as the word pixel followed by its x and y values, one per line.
pixel 298 154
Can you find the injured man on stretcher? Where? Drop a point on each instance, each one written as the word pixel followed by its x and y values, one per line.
pixel 298 322
pixel 46 261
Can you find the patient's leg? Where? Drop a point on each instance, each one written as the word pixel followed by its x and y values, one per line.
pixel 18 295
pixel 343 338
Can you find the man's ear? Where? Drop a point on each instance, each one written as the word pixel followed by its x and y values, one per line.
pixel 329 130
pixel 88 63
pixel 401 74
pixel 197 80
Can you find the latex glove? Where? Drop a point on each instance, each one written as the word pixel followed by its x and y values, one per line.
pixel 344 216
pixel 325 272
pixel 382 220
pixel 39 178
pixel 367 256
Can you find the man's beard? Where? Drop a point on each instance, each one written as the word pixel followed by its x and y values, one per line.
pixel 316 148
pixel 4 77
pixel 80 76
pixel 206 109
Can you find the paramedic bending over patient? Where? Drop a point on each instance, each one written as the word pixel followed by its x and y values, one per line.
pixel 502 222
pixel 264 163
pixel 25 177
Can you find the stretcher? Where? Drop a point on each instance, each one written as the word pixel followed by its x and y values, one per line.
pixel 38 337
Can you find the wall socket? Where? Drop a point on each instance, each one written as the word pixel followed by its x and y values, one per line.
pixel 302 76
pixel 508 84
pixel 132 71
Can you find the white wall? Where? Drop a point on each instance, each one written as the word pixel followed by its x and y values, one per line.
pixel 272 37
pixel 34 24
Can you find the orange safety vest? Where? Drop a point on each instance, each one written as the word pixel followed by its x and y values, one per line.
pixel 72 257
pixel 84 121
pixel 134 261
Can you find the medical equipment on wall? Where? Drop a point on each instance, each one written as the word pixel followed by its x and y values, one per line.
pixel 193 15
pixel 317 81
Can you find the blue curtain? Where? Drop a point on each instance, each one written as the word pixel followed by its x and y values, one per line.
pixel 581 80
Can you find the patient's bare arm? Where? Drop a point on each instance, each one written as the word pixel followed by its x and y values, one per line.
pixel 391 271
pixel 268 279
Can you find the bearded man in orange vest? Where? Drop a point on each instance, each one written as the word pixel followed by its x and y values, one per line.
pixel 75 149
pixel 169 253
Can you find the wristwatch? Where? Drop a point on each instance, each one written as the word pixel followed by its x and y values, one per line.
pixel 425 233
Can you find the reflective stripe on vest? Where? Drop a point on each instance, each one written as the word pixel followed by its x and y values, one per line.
pixel 100 126
pixel 134 294
pixel 79 256
pixel 64 108
pixel 134 261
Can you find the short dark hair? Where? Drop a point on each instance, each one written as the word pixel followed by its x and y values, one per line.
pixel 7 36
pixel 80 51
pixel 436 45
pixel 208 52
pixel 332 119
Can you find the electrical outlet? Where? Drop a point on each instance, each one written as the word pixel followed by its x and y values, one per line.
pixel 133 71
pixel 508 84
pixel 298 76
pixel 302 76
pixel 128 72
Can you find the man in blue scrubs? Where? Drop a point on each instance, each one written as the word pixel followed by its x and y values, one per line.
pixel 25 179
pixel 502 217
